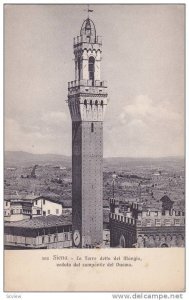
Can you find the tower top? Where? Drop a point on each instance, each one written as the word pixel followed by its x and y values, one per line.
pixel 88 29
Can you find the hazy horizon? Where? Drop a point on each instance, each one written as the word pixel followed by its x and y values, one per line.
pixel 130 157
pixel 143 63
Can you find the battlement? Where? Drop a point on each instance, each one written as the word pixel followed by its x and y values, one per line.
pixel 122 219
pixel 114 201
pixel 131 207
pixel 136 206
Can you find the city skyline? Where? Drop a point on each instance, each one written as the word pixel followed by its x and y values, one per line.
pixel 143 62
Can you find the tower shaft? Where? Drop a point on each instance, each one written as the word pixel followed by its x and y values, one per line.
pixel 87 191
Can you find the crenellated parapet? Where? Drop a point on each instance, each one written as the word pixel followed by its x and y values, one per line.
pixel 90 109
pixel 136 206
pixel 114 201
pixel 122 219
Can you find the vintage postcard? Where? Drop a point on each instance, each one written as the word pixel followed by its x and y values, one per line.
pixel 94 169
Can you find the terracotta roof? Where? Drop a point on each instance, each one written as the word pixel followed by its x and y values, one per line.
pixel 48 198
pixel 49 221
pixel 33 198
pixel 41 222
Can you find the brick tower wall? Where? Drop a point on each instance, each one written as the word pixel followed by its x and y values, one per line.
pixel 87 189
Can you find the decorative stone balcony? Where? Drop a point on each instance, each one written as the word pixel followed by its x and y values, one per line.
pixel 86 83
pixel 85 39
pixel 85 87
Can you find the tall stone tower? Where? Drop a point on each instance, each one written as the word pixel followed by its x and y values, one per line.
pixel 87 100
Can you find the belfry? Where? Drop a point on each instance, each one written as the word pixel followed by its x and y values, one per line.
pixel 87 100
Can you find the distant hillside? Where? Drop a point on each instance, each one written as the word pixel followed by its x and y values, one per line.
pixel 25 157
pixel 136 161
pixel 21 156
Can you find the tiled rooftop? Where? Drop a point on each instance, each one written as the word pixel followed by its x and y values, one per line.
pixel 41 222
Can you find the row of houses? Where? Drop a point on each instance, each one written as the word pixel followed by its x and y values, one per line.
pixel 40 223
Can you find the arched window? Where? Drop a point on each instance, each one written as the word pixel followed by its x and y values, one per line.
pixel 91 69
pixel 96 102
pixel 101 103
pixel 85 102
pixel 122 243
pixel 91 103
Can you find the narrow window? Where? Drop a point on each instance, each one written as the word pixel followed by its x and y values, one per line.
pixel 85 102
pixel 79 68
pixel 92 127
pixel 91 69
pixel 88 29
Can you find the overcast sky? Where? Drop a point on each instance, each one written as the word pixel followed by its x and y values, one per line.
pixel 143 63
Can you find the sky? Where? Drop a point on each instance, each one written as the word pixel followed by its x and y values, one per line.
pixel 142 62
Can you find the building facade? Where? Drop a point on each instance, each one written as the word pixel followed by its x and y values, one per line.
pixel 136 227
pixel 16 210
pixel 87 100
pixel 39 233
pixel 7 210
pixel 46 206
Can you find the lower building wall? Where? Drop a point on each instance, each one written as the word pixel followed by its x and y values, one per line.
pixel 127 236
pixel 60 245
pixel 164 236
pixel 59 240
pixel 122 234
